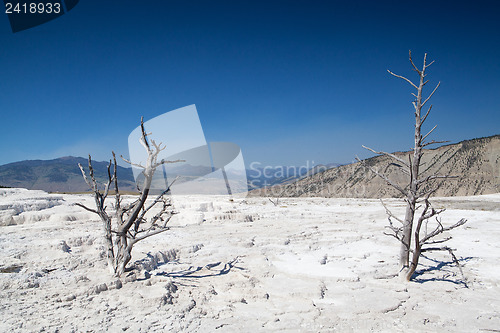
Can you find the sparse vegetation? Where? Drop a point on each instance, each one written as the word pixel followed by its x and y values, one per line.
pixel 130 223
pixel 414 239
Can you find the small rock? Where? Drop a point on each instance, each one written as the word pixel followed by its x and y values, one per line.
pixel 190 306
pixel 322 290
pixel 34 284
pixel 212 291
pixel 81 278
pixel 64 247
pixel 166 299
pixel 248 218
pixel 171 287
pixel 116 284
pixel 76 241
pixel 100 288
pixel 196 248
pixel 13 268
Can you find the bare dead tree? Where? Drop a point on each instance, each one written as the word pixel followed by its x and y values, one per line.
pixel 131 224
pixel 276 199
pixel 418 190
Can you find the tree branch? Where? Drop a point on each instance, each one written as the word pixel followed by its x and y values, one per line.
pixel 432 93
pixel 158 199
pixel 414 67
pixel 388 181
pixel 426 114
pixel 433 142
pixel 166 162
pixel 425 136
pixel 402 77
pixel 434 176
pixel 87 208
pixel 440 229
pixel 134 164
pixel 388 154
pixel 155 232
pixel 429 65
pixel 390 214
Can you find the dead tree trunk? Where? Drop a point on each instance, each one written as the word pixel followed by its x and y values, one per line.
pixel 419 187
pixel 130 221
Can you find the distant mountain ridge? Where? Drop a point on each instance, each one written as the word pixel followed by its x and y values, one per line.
pixel 59 175
pixel 259 177
pixel 63 175
pixel 476 162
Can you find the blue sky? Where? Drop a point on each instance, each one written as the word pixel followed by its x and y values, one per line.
pixel 289 81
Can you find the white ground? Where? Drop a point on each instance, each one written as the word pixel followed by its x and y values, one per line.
pixel 307 265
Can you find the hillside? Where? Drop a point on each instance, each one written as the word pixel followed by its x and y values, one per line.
pixel 259 177
pixel 63 175
pixel 59 175
pixel 476 162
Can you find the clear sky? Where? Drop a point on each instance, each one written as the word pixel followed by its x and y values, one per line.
pixel 289 81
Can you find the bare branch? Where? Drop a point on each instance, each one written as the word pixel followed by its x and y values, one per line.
pixel 402 77
pixel 415 106
pixel 406 171
pixel 91 172
pixel 134 164
pixel 440 229
pixel 388 181
pixel 414 67
pixel 438 241
pixel 117 191
pixel 430 191
pixel 429 65
pixel 395 235
pixel 432 93
pixel 110 180
pixel 275 202
pixel 85 177
pixel 388 154
pixel 87 208
pixel 425 136
pixel 433 142
pixel 144 138
pixel 155 232
pixel 390 214
pixel 158 147
pixel 166 162
pixel 434 176
pixel 425 117
pixel 158 199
